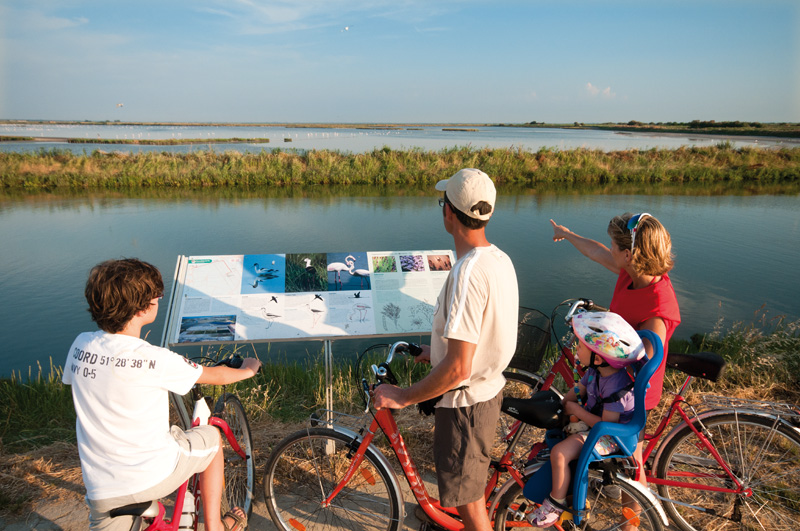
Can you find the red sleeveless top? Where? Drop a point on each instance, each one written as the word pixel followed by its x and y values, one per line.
pixel 637 306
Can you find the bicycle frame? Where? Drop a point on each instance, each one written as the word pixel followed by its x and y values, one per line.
pixel 159 523
pixel 384 420
pixel 655 438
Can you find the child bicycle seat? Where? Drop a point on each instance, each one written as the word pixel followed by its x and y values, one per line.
pixel 626 436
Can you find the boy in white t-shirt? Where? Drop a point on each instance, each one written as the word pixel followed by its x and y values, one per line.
pixel 120 388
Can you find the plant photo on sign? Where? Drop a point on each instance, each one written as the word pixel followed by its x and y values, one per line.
pixel 384 264
pixel 439 262
pixel 411 262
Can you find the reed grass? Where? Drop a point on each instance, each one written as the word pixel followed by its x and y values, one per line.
pixel 58 170
pixel 35 411
pixel 762 357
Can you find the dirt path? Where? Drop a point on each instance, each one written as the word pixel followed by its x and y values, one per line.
pixel 43 490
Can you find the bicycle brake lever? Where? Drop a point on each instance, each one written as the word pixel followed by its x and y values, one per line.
pixel 368 400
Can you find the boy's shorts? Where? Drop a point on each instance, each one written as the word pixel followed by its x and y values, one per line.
pixel 198 447
pixel 462 441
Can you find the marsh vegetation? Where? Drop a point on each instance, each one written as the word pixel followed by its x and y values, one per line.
pixel 56 170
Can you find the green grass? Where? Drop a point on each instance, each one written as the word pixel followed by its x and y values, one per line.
pixel 60 171
pixel 37 410
pixel 763 356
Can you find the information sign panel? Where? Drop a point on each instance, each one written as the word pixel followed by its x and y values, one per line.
pixel 272 297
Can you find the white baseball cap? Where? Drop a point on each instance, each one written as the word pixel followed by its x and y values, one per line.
pixel 466 189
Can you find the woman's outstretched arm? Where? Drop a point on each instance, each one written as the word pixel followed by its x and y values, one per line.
pixel 592 249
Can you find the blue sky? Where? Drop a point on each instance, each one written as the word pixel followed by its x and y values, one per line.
pixel 420 61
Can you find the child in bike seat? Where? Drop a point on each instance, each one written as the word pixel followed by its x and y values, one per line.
pixel 120 388
pixel 606 345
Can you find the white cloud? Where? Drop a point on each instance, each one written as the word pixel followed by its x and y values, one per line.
pixel 284 16
pixel 606 93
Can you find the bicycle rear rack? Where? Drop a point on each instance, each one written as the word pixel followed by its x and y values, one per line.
pixel 783 410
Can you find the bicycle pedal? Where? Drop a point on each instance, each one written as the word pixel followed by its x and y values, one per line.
pixel 426 524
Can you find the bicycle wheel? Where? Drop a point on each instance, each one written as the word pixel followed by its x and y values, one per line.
pixel 518 385
pixel 239 473
pixel 605 511
pixel 306 466
pixel 764 459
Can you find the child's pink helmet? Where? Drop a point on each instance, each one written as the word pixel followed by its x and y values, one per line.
pixel 609 336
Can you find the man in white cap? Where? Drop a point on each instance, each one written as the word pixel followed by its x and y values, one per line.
pixel 473 339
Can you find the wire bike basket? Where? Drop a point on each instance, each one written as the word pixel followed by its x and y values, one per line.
pixel 533 338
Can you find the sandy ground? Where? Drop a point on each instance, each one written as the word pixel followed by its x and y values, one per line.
pixel 50 478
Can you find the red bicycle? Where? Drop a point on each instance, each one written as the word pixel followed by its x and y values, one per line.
pixel 229 417
pixel 728 464
pixel 331 475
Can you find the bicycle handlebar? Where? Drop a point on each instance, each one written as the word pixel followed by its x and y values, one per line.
pixel 586 305
pixel 382 372
pixel 234 362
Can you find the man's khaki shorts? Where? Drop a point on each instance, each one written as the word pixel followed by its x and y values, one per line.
pixel 462 442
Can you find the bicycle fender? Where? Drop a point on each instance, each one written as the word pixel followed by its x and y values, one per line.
pixel 647 493
pixel 715 413
pixel 378 455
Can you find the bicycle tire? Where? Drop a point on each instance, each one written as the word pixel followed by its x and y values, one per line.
pixel 604 506
pixel 240 473
pixel 773 475
pixel 518 385
pixel 303 469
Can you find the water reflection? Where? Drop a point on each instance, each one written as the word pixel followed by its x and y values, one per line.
pixel 735 253
pixel 350 139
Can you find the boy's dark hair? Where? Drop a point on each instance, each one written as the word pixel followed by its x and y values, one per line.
pixel 471 223
pixel 119 289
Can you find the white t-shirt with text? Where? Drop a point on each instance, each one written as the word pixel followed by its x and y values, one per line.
pixel 120 388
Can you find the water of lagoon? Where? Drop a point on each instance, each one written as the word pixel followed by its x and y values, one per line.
pixel 350 140
pixel 735 254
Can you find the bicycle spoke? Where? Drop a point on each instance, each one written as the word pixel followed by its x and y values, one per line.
pixel 305 469
pixel 762 455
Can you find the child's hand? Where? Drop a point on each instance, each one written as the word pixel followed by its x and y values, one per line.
pixel 576 425
pixel 252 364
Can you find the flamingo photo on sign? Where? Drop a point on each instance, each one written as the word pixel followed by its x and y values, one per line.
pixel 348 271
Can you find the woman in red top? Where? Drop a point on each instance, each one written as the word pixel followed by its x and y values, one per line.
pixel 641 256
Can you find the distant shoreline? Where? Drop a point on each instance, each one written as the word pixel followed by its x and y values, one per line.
pixel 722 130
pixel 136 141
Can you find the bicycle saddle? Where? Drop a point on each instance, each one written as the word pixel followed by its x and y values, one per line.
pixel 706 365
pixel 144 509
pixel 542 410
